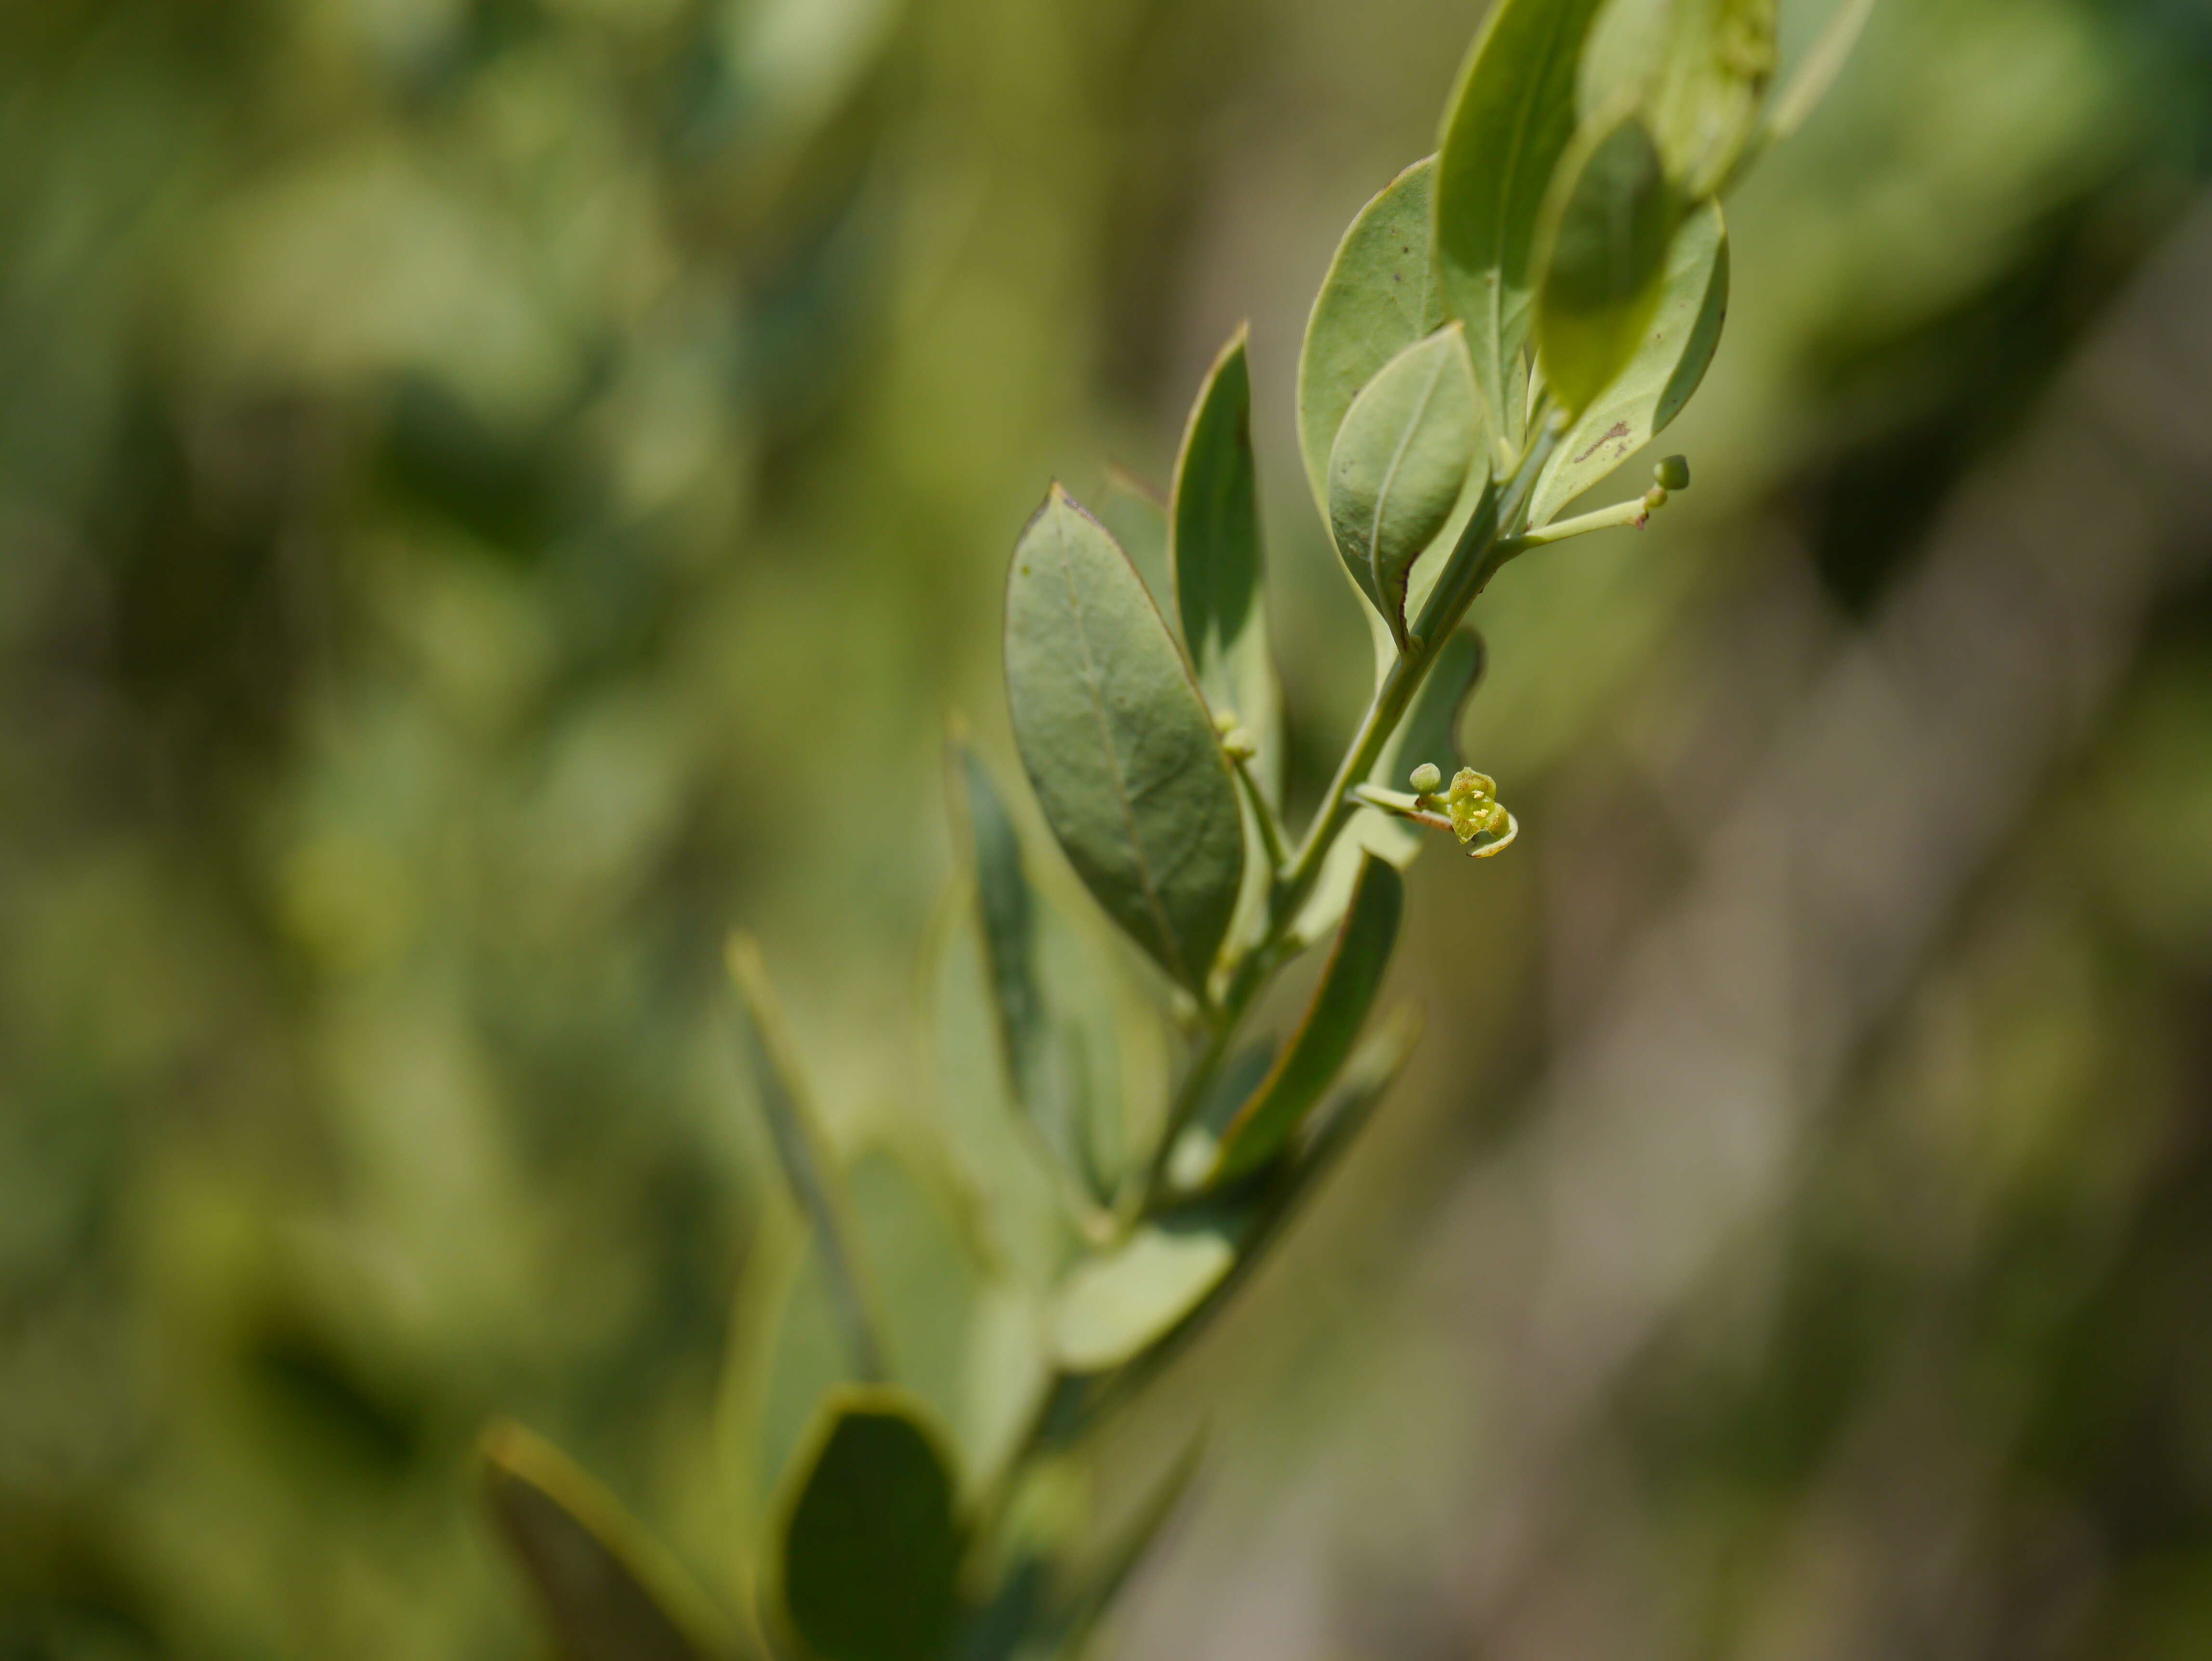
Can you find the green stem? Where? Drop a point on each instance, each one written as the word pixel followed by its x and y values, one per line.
pixel 1263 811
pixel 1481 552
pixel 1632 513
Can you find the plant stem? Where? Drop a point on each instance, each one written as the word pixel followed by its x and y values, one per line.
pixel 1481 550
pixel 1633 512
pixel 1263 812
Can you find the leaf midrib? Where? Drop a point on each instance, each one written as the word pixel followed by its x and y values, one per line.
pixel 1390 480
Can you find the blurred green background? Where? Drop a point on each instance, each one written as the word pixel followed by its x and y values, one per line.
pixel 496 493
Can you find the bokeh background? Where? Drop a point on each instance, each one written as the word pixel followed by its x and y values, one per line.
pixel 495 493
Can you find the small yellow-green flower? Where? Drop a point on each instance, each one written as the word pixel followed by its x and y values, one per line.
pixel 1474 805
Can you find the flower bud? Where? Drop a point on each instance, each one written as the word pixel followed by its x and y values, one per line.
pixel 1672 473
pixel 1428 779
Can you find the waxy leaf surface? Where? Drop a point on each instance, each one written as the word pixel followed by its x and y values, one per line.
pixel 1268 1121
pixel 1401 460
pixel 872 1544
pixel 1610 222
pixel 1677 346
pixel 1379 297
pixel 1118 743
pixel 1214 551
pixel 1510 119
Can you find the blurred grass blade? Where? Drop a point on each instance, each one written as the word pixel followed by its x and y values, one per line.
pixel 1045 1079
pixel 1118 745
pixel 1510 119
pixel 609 1591
pixel 1379 297
pixel 1428 733
pixel 872 1542
pixel 1215 554
pixel 1400 463
pixel 1266 1124
pixel 1114 1306
pixel 1817 74
pixel 1677 347
pixel 1696 70
pixel 808 1165
pixel 1608 226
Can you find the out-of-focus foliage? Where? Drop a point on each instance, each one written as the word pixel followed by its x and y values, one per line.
pixel 493 491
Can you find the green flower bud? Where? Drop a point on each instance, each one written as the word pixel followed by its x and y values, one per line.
pixel 1672 473
pixel 1428 778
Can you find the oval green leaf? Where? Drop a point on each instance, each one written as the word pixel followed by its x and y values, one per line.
pixel 1401 461
pixel 1697 69
pixel 1379 297
pixel 1115 1306
pixel 1266 1122
pixel 1214 553
pixel 1677 347
pixel 1510 119
pixel 1608 226
pixel 1118 743
pixel 871 1543
pixel 611 1593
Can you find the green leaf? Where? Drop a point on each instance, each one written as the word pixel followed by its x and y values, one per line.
pixel 1214 553
pixel 1135 515
pixel 1264 1127
pixel 1379 297
pixel 1510 119
pixel 1696 70
pixel 1114 1306
pixel 1045 1077
pixel 922 1239
pixel 1367 1078
pixel 611 1593
pixel 1399 464
pixel 1609 224
pixel 872 1546
pixel 1021 1196
pixel 1428 733
pixel 1003 1379
pixel 1118 743
pixel 1678 345
pixel 803 1152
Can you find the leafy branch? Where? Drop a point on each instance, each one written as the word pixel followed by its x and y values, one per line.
pixel 1501 329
